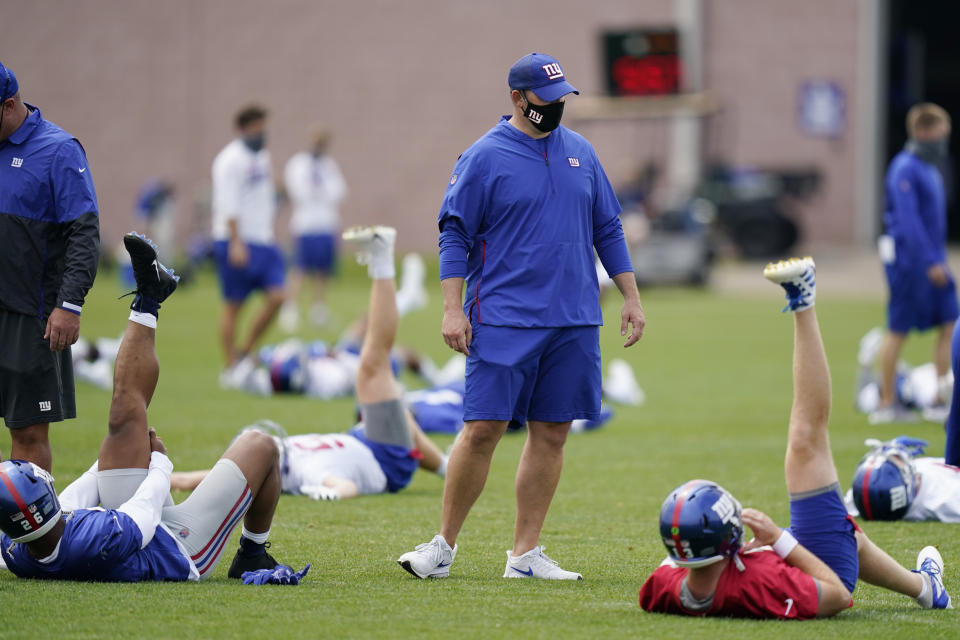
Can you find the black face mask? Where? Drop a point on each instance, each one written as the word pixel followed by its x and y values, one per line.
pixel 255 141
pixel 931 151
pixel 544 117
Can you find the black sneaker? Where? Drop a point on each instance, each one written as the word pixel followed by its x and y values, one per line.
pixel 154 280
pixel 243 563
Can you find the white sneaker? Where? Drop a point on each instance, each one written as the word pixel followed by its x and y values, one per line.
pixel 930 563
pixel 536 564
pixel 370 239
pixel 888 415
pixel 937 413
pixel 620 384
pixel 319 314
pixel 797 276
pixel 289 317
pixel 430 559
pixel 236 376
pixel 869 347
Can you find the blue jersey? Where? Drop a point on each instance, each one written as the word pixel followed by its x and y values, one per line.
pixel 102 546
pixel 520 220
pixel 916 212
pixel 49 229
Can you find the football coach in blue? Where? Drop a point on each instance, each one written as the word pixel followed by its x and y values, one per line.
pixel 49 247
pixel 525 207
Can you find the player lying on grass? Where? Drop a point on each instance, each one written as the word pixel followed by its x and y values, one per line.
pixel 916 389
pixel 382 452
pixel 893 482
pixel 338 466
pixel 814 565
pixel 134 536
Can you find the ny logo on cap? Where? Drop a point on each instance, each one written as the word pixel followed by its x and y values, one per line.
pixel 553 70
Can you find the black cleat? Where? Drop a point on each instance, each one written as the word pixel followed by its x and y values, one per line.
pixel 243 563
pixel 154 281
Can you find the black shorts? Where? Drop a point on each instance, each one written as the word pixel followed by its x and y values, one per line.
pixel 36 384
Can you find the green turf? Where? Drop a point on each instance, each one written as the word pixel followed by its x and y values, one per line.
pixel 716 371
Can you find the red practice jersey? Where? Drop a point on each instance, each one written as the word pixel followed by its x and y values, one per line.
pixel 767 588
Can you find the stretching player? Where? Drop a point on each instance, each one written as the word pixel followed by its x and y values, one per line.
pixel 338 466
pixel 813 566
pixel 140 538
pixel 381 453
pixel 893 482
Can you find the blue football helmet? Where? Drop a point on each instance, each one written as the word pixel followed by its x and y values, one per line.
pixel 700 524
pixel 29 506
pixel 288 370
pixel 885 484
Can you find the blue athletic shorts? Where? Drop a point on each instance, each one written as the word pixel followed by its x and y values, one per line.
pixel 551 374
pixel 316 253
pixel 265 270
pixel 820 523
pixel 397 462
pixel 915 303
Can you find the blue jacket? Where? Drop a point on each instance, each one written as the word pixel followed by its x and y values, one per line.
pixel 520 220
pixel 916 213
pixel 49 229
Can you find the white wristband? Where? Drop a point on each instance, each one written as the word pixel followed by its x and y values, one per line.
pixel 785 544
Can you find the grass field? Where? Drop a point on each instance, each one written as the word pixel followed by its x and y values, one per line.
pixel 716 372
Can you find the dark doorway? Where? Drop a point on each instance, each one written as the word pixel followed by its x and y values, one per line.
pixel 924 66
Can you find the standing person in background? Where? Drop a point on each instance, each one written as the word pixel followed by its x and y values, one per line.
pixel 525 208
pixel 248 259
pixel 316 187
pixel 914 252
pixel 49 248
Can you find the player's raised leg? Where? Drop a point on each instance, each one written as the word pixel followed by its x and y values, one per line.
pixel 125 452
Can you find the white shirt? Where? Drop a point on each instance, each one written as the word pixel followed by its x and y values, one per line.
pixel 243 190
pixel 316 187
pixel 938 497
pixel 311 458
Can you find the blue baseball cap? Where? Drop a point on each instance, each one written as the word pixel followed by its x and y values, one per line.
pixel 8 83
pixel 541 74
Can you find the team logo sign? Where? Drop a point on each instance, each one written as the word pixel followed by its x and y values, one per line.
pixel 453 180
pixel 553 70
pixel 574 162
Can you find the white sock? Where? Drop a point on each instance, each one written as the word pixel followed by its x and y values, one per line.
pixel 146 319
pixel 925 599
pixel 258 538
pixel 442 471
pixel 381 265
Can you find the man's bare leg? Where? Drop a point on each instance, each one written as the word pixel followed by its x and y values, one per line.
pixel 228 331
pixel 889 355
pixel 467 473
pixel 271 305
pixel 879 569
pixel 33 444
pixel 809 462
pixel 941 351
pixel 538 475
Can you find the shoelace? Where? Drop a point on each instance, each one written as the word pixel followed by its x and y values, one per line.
pixel 548 558
pixel 438 556
pixel 929 566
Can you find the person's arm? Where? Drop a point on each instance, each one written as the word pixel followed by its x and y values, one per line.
pixel 335 182
pixel 455 328
pixel 459 221
pixel 145 508
pixel 333 488
pixel 296 177
pixel 77 213
pixel 227 183
pixel 834 597
pixel 614 254
pixel 82 493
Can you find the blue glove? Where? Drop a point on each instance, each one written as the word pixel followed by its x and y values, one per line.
pixel 280 574
pixel 913 446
